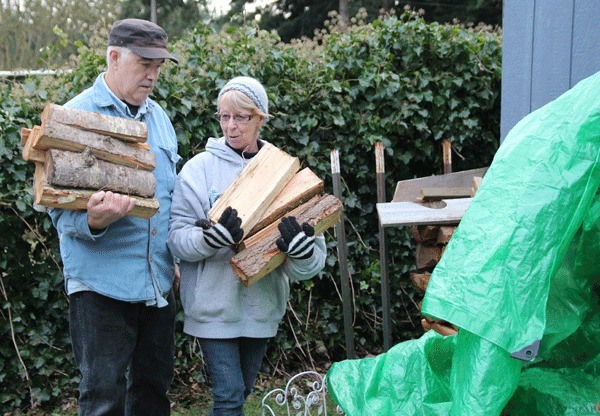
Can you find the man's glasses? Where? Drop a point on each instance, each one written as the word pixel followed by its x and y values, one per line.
pixel 237 118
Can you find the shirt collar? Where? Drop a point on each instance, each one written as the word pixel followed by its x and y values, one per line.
pixel 104 97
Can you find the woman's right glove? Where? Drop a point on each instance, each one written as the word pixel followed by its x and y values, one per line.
pixel 297 242
pixel 226 232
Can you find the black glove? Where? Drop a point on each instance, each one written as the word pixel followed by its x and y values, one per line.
pixel 298 242
pixel 224 233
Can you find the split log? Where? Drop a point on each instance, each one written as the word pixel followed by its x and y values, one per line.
pixel 259 255
pixel 427 256
pixel 302 187
pixel 29 153
pixel 117 127
pixel 64 137
pixel 424 233
pixel 445 234
pixel 437 194
pixel 84 171
pixel 77 199
pixel 257 186
pixel 409 190
pixel 421 280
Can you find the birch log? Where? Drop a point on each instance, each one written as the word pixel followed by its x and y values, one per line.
pixel 65 137
pixel 118 127
pixel 77 199
pixel 84 171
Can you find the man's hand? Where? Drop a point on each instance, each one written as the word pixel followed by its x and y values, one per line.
pixel 224 233
pixel 176 278
pixel 297 242
pixel 104 208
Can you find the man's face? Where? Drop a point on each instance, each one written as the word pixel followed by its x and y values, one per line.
pixel 133 77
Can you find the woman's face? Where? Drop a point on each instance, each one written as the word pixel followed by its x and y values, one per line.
pixel 241 134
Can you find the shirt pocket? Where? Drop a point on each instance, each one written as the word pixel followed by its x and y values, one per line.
pixel 171 158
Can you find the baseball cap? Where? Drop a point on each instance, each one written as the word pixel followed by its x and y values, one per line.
pixel 145 38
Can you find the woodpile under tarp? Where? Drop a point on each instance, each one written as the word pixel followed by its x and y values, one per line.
pixel 77 153
pixel 269 188
pixel 432 207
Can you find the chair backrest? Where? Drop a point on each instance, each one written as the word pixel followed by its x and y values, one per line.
pixel 304 394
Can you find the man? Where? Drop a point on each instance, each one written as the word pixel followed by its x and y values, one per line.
pixel 118 270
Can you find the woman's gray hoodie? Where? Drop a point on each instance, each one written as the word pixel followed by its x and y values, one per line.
pixel 215 303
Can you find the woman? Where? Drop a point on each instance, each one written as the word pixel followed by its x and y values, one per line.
pixel 232 322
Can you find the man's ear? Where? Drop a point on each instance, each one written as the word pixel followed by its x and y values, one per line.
pixel 113 55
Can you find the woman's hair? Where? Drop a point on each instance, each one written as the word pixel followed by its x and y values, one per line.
pixel 239 102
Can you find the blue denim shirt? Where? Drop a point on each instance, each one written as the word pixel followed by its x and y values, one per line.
pixel 129 260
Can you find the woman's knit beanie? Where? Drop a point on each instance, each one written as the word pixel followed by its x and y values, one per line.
pixel 251 87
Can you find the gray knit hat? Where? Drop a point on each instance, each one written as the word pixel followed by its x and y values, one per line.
pixel 250 87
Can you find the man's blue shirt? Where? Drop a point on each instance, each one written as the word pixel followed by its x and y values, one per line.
pixel 129 260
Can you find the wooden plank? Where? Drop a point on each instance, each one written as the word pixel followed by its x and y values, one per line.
pixel 410 189
pixel 29 153
pixel 257 186
pixel 259 254
pixel 84 171
pixel 77 199
pixel 517 57
pixel 551 59
pixel 397 214
pixel 118 127
pixel 64 137
pixel 437 194
pixel 302 187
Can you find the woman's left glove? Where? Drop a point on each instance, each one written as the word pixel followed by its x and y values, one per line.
pixel 297 242
pixel 226 232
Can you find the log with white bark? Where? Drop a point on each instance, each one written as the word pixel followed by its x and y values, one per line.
pixel 77 199
pixel 85 171
pixel 118 127
pixel 65 137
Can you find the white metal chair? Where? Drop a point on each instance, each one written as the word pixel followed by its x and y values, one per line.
pixel 304 394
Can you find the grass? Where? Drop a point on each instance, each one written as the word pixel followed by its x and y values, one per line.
pixel 199 402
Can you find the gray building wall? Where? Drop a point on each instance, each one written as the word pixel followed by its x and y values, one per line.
pixel 548 46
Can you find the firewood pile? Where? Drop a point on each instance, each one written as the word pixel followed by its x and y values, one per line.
pixel 270 187
pixel 77 153
pixel 433 228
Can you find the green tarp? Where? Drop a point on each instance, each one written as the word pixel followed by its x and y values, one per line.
pixel 519 278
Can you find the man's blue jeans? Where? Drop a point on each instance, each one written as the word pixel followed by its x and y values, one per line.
pixel 125 352
pixel 232 365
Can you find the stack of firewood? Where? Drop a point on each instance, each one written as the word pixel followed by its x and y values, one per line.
pixel 431 241
pixel 77 153
pixel 269 188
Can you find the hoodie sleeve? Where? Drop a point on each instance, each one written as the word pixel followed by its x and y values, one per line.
pixel 190 203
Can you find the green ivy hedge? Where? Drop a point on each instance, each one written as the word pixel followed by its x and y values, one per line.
pixel 398 80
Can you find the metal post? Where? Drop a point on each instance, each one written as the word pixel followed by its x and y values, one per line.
pixel 153 11
pixel 343 258
pixel 383 262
